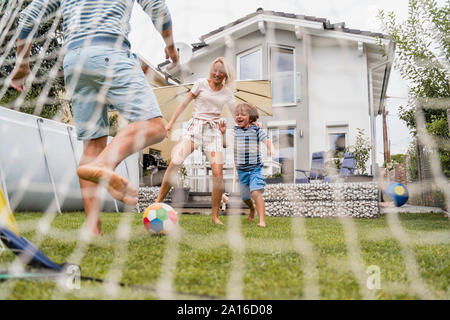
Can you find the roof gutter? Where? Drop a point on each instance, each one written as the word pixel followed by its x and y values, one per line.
pixel 262 18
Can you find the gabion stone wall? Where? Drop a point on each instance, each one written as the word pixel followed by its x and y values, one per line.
pixel 146 196
pixel 358 200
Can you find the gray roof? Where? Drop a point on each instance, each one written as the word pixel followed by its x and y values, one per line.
pixel 326 23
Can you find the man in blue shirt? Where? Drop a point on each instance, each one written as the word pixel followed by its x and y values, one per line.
pixel 100 70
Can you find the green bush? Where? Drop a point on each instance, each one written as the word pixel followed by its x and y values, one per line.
pixel 276 175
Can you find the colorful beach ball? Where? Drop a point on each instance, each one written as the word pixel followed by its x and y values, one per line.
pixel 160 219
pixel 397 192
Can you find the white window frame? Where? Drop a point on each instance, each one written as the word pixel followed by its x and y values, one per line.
pixel 269 65
pixel 247 52
pixel 337 129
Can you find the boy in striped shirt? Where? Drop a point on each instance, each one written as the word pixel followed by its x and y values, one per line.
pixel 247 158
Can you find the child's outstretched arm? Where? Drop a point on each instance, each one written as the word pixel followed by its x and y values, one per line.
pixel 270 148
pixel 223 130
pixel 263 137
pixel 179 110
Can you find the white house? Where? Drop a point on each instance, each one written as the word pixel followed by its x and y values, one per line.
pixel 323 78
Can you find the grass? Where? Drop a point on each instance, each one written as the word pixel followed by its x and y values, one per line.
pixel 269 266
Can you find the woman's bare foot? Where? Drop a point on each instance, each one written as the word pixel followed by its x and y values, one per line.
pixel 119 187
pixel 216 221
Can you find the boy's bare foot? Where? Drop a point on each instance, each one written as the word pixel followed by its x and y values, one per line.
pixel 251 215
pixel 261 225
pixel 119 187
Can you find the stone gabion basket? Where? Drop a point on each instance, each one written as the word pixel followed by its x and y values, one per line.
pixel 358 200
pixel 146 196
pixel 315 200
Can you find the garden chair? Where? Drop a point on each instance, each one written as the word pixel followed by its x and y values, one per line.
pixel 317 169
pixel 348 168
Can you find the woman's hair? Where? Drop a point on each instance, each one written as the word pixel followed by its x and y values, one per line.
pixel 250 109
pixel 229 79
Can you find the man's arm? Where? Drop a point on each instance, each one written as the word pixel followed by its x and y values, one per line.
pixel 35 13
pixel 160 15
pixel 22 67
pixel 170 50
pixel 30 17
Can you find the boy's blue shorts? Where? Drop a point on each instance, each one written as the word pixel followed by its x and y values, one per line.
pixel 98 76
pixel 250 181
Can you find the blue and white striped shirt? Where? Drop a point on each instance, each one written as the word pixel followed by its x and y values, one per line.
pixel 92 19
pixel 247 155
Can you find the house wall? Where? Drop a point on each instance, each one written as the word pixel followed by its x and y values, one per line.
pixel 297 112
pixel 200 65
pixel 337 89
pixel 331 86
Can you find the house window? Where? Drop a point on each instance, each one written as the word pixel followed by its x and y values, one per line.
pixel 337 137
pixel 282 68
pixel 283 140
pixel 250 65
pixel 337 141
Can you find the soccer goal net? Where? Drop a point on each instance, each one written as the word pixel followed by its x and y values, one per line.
pixel 335 229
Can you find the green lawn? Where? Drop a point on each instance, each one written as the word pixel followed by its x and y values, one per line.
pixel 269 265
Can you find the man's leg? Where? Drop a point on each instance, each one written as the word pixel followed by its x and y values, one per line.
pixel 90 190
pixel 134 137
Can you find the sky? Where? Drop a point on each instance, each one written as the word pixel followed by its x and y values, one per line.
pixel 192 19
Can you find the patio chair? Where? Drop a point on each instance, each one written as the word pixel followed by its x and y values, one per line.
pixel 317 169
pixel 348 168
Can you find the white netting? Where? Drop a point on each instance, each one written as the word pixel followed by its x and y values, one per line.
pixel 46 95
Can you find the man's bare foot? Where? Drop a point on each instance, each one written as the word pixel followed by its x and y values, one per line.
pixel 94 227
pixel 251 215
pixel 119 187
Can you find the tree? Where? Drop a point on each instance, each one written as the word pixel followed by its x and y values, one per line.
pixel 398 158
pixel 411 163
pixel 9 16
pixel 422 58
pixel 361 151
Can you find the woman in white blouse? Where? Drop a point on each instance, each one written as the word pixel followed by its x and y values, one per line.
pixel 210 95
